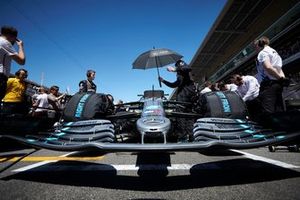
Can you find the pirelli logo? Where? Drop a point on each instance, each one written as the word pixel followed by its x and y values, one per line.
pixel 80 105
pixel 224 101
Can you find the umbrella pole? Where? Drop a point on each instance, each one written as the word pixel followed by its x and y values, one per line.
pixel 157 72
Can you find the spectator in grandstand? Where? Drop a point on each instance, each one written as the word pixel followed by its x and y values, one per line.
pixel 248 89
pixel 186 91
pixel 270 76
pixel 88 85
pixel 8 38
pixel 14 99
pixel 208 86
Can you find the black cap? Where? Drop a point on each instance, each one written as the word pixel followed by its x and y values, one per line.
pixel 181 64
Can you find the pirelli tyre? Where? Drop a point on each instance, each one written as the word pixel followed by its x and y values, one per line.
pixel 85 131
pixel 84 106
pixel 225 104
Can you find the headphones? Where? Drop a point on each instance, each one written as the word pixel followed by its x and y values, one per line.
pixel 19 72
pixel 260 43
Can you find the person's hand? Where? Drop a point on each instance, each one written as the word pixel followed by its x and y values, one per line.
pixel 19 42
pixel 160 79
pixel 171 69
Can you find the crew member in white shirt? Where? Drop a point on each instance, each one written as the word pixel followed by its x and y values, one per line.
pixel 270 76
pixel 248 89
pixel 207 88
pixel 41 103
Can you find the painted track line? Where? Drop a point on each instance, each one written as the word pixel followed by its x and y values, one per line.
pixel 22 169
pixel 267 160
pixel 152 167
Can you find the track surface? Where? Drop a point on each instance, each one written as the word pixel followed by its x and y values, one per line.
pixel 232 174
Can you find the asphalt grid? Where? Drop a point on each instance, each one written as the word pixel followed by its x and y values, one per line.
pixel 27 173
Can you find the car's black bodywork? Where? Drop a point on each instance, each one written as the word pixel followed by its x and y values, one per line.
pixel 151 124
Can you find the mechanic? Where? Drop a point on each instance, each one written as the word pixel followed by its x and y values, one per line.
pixel 8 38
pixel 208 87
pixel 248 89
pixel 270 76
pixel 186 92
pixel 88 85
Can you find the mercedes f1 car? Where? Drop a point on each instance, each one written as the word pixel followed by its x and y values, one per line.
pixel 217 120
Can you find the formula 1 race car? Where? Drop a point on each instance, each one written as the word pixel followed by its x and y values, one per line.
pixel 217 120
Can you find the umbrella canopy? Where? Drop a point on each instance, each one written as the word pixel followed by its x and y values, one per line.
pixel 156 58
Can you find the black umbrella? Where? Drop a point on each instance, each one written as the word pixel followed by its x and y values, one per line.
pixel 156 58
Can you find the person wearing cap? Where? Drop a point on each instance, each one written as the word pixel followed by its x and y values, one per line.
pixel 7 53
pixel 88 85
pixel 186 91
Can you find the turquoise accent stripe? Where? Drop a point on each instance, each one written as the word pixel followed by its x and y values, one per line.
pixel 244 126
pixel 60 134
pixel 280 136
pixel 51 139
pixel 249 131
pixel 258 136
pixel 69 123
pixel 64 129
pixel 31 140
pixel 239 121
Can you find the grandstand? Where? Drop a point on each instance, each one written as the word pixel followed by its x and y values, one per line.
pixel 228 46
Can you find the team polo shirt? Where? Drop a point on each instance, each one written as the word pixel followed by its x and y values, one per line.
pixel 270 54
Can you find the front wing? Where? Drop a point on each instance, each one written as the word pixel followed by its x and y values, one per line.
pixel 208 133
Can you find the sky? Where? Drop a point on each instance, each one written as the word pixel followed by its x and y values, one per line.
pixel 65 38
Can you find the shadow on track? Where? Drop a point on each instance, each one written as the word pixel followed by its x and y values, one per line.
pixel 221 173
pixel 7 145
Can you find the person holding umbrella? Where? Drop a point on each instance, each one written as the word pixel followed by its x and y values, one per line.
pixel 156 58
pixel 186 91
